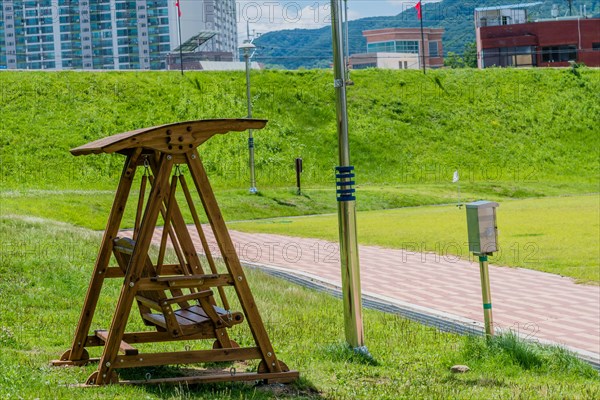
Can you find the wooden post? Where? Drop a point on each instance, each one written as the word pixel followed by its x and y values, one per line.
pixel 133 275
pixel 112 227
pixel 183 235
pixel 232 262
pixel 202 236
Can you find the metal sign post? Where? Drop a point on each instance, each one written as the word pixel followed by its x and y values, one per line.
pixel 483 241
pixel 247 48
pixel 298 174
pixel 486 295
pixel 345 193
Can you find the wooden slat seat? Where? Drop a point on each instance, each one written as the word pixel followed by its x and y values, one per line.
pixel 170 309
pixel 192 320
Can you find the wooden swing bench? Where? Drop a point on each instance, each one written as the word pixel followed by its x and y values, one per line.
pixel 175 300
pixel 205 318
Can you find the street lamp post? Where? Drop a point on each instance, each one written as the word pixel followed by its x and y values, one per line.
pixel 248 49
pixel 351 291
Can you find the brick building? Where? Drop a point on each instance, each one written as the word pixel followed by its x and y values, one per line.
pixel 400 48
pixel 506 37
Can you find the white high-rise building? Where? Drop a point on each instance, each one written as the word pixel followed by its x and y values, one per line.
pixel 217 16
pixel 108 34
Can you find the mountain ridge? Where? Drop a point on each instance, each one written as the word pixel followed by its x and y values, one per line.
pixel 311 48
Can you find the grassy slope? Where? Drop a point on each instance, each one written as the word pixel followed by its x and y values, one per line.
pixel 45 269
pixel 406 128
pixel 548 234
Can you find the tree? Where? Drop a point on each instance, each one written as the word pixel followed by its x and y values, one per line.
pixel 453 60
pixel 470 55
pixel 468 59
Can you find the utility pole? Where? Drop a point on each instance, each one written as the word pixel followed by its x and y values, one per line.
pixel 247 48
pixel 345 193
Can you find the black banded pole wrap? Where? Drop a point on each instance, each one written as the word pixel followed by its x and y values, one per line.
pixel 344 178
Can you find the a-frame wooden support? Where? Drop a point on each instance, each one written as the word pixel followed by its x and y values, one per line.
pixel 165 292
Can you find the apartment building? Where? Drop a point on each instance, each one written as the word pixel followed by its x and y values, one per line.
pixel 109 34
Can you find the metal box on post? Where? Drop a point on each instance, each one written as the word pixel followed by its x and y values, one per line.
pixel 481 224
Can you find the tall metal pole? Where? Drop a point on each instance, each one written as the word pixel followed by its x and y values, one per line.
pixel 247 47
pixel 179 35
pixel 345 193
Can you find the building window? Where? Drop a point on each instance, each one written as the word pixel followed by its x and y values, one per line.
pixel 381 47
pixel 552 54
pixel 398 46
pixel 596 46
pixel 433 49
pixel 522 56
pixel 407 46
pixel 364 66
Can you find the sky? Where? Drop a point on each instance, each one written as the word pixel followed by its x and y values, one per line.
pixel 266 16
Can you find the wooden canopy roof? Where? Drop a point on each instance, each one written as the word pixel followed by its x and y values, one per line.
pixel 175 138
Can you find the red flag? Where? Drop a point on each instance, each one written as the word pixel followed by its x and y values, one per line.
pixel 419 12
pixel 178 8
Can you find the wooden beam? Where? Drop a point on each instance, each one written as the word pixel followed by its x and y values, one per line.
pixel 140 206
pixel 232 261
pixel 188 357
pixel 183 236
pixel 150 337
pixel 134 271
pixel 97 280
pixel 200 282
pixel 205 246
pixel 185 267
pixel 124 347
pixel 74 363
pixel 269 377
pixel 167 270
pixel 167 225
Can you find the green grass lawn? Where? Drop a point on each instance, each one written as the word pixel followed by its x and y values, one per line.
pixel 559 235
pixel 44 272
pixel 90 208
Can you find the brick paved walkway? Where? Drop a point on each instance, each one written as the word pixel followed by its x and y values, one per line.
pixel 538 305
